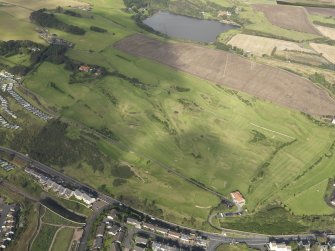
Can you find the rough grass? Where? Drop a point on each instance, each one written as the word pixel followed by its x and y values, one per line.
pixel 63 239
pixel 44 238
pixel 52 218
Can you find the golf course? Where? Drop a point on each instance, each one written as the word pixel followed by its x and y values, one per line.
pixel 165 139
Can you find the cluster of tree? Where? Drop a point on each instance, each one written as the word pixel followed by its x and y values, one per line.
pixel 98 29
pixel 42 18
pixel 320 79
pixel 54 53
pixel 71 13
pixel 13 47
pixel 20 70
pixel 136 3
pixel 228 47
pixel 51 145
pixel 134 81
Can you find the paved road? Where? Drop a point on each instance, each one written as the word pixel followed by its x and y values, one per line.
pixel 87 229
pixel 214 239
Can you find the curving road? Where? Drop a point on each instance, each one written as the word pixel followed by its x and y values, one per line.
pixel 252 239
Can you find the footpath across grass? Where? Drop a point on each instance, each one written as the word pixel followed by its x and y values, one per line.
pixel 44 238
pixel 63 239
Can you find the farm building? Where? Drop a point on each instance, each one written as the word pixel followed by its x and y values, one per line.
pixel 237 198
pixel 84 68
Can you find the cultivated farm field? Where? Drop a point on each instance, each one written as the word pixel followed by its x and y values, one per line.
pixel 326 31
pixel 321 3
pixel 262 45
pixel 288 17
pixel 236 72
pixel 322 11
pixel 327 51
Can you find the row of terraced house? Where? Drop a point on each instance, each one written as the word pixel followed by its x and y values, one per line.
pixel 188 239
pixel 58 187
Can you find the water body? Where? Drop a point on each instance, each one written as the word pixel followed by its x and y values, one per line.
pixel 54 206
pixel 187 28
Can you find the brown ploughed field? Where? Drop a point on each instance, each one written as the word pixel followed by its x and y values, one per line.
pixel 288 17
pixel 322 11
pixel 279 86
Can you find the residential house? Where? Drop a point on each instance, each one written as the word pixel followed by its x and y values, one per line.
pixel 116 247
pixel 99 241
pixel 305 244
pixel 68 193
pixel 121 236
pixel 134 222
pixel 148 226
pixel 161 230
pixel 141 240
pixel 101 230
pixel 273 246
pixel 174 235
pixel 161 247
pixel 113 230
pixel 185 238
pixel 78 194
pixel 331 246
pixel 55 187
pixel 87 199
pixel 112 214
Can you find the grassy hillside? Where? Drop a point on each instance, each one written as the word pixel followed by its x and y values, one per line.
pixel 166 125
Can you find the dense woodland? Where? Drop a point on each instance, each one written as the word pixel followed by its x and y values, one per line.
pixel 13 47
pixel 42 18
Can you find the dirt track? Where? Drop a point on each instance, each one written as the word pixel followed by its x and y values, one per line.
pixel 228 69
pixel 288 17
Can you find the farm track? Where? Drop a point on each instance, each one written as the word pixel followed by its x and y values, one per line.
pixel 262 81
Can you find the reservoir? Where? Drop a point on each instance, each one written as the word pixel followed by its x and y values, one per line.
pixel 187 28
